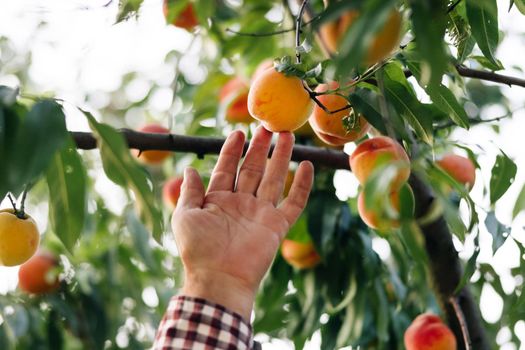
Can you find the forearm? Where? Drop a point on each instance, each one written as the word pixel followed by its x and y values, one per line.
pixel 221 289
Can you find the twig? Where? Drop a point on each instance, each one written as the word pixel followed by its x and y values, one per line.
pixel 23 203
pixel 489 76
pixel 473 121
pixel 277 32
pixel 462 324
pixel 298 20
pixel 13 203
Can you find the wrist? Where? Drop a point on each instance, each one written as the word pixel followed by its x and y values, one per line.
pixel 220 288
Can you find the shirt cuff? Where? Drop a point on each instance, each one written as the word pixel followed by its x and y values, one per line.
pixel 195 323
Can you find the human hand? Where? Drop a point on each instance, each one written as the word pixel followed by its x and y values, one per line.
pixel 228 236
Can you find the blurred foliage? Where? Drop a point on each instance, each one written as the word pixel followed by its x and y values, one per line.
pixel 117 279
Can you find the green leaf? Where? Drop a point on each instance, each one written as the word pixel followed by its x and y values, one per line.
pixel 470 268
pixel 519 206
pixel 363 101
pixel 520 5
pixel 41 133
pixel 406 103
pixel 498 231
pixel 442 97
pixel 128 9
pixel 483 18
pixel 487 63
pixel 140 237
pixel 503 173
pixel 123 170
pixel 66 179
pixel 428 24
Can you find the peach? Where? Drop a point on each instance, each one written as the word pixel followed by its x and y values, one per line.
pixel 36 277
pixel 383 42
pixel 375 152
pixel 171 192
pixel 372 216
pixel 300 255
pixel 235 94
pixel 330 128
pixel 263 66
pixel 152 157
pixel 459 168
pixel 428 332
pixel 186 19
pixel 280 102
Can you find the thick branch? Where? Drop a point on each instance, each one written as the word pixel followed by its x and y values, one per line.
pixel 204 145
pixel 447 271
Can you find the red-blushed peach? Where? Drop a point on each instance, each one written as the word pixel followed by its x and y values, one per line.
pixel 372 216
pixel 428 332
pixel 280 102
pixel 152 157
pixel 35 275
pixel 235 94
pixel 186 19
pixel 330 127
pixel 300 255
pixel 171 192
pixel 376 152
pixel 459 168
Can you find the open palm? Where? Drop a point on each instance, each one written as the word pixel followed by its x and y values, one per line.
pixel 228 236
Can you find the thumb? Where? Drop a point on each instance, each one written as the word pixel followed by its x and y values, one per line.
pixel 192 190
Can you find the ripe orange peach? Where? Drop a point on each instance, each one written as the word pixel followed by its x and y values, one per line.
pixel 371 217
pixel 383 42
pixel 235 94
pixel 152 157
pixel 186 19
pixel 35 275
pixel 263 66
pixel 459 168
pixel 428 332
pixel 375 152
pixel 171 191
pixel 330 127
pixel 300 255
pixel 19 237
pixel 280 102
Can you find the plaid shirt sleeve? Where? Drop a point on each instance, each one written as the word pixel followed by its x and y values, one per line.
pixel 197 324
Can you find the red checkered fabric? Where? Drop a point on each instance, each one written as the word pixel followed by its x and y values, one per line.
pixel 197 324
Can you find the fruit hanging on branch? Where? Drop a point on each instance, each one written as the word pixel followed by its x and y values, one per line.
pixel 459 168
pixel 36 276
pixel 338 128
pixel 233 98
pixel 183 18
pixel 171 192
pixel 383 42
pixel 280 102
pixel 428 332
pixel 19 237
pixel 300 255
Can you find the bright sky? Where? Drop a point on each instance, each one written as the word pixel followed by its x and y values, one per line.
pixel 79 52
